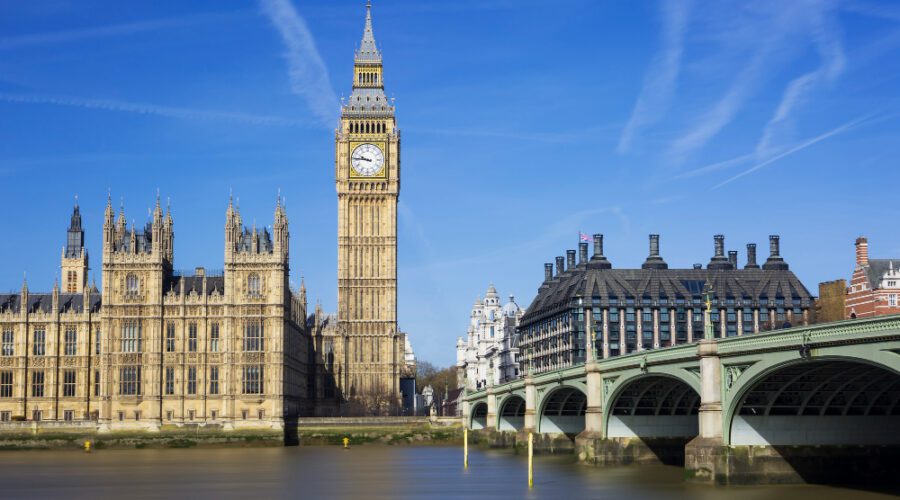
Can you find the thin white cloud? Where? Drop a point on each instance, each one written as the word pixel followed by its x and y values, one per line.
pixel 150 109
pixel 306 71
pixel 715 167
pixel 723 111
pixel 852 124
pixel 566 226
pixel 883 11
pixel 775 34
pixel 660 82
pixel 409 219
pixel 124 29
pixel 831 52
pixel 548 137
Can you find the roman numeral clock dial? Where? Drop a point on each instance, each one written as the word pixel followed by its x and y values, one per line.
pixel 367 160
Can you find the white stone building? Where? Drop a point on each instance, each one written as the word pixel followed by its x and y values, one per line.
pixel 489 353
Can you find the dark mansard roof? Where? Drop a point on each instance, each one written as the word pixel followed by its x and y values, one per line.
pixel 877 268
pixel 647 286
pixel 262 238
pixel 143 241
pixel 195 283
pixel 43 302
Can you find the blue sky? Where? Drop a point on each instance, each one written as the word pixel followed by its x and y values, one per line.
pixel 523 122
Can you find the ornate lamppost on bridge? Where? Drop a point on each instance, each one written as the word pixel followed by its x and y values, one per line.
pixel 708 293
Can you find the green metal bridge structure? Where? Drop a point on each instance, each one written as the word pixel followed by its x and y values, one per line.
pixel 808 404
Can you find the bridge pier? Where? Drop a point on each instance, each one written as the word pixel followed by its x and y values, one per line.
pixel 836 423
pixel 631 450
pixel 712 463
pixel 491 409
pixel 518 441
pixel 813 404
pixel 704 454
pixel 530 412
pixel 588 442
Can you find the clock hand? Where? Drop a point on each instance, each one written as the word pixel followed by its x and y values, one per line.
pixel 362 158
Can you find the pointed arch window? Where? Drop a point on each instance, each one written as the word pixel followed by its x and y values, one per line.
pixel 253 336
pixel 253 287
pixel 131 336
pixel 132 284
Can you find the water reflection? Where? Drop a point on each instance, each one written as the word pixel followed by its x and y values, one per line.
pixel 362 472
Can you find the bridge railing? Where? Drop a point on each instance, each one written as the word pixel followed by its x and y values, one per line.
pixel 878 327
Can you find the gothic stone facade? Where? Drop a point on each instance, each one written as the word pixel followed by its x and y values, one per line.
pixel 365 347
pixel 628 310
pixel 157 347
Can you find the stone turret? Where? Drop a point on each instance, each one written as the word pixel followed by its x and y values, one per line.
pixel 74 260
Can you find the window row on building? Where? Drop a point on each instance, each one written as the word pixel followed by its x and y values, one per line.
pixel 620 311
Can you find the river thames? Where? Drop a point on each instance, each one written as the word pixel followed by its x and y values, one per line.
pixel 359 473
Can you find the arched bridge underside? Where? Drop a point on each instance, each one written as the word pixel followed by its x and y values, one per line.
pixel 654 406
pixel 512 414
pixel 822 402
pixel 799 404
pixel 563 411
pixel 479 416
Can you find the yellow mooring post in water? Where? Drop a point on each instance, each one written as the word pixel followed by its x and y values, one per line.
pixel 346 442
pixel 465 447
pixel 530 460
pixel 87 446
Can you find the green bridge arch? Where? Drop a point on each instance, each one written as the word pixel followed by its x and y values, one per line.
pixel 826 372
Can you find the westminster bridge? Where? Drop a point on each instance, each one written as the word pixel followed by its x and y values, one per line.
pixel 810 404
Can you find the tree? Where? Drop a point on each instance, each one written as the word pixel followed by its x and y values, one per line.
pixel 439 379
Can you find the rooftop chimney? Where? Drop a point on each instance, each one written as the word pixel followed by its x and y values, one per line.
pixel 775 262
pixel 698 266
pixel 732 257
pixel 719 261
pixel 862 251
pixel 598 261
pixel 560 265
pixel 654 261
pixel 570 259
pixel 751 257
pixel 582 252
pixel 548 271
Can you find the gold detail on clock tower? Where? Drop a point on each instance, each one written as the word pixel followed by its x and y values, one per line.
pixel 369 351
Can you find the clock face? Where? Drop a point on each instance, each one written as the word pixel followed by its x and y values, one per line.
pixel 367 159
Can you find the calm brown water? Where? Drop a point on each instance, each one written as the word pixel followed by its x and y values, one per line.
pixel 362 472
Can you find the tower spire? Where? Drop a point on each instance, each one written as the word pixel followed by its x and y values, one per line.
pixel 368 51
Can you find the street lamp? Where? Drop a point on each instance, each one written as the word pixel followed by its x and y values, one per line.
pixel 587 323
pixel 708 298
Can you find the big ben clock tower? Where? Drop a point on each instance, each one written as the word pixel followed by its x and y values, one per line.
pixel 369 351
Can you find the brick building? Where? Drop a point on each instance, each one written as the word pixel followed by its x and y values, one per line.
pixel 874 289
pixel 832 301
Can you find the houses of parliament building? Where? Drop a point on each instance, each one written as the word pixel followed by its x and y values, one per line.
pixel 236 347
